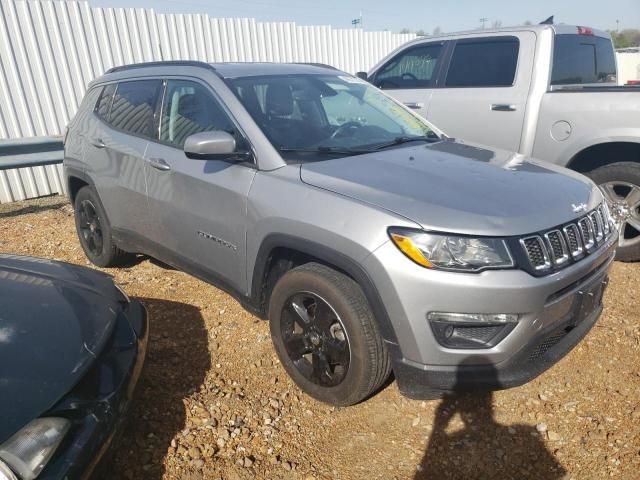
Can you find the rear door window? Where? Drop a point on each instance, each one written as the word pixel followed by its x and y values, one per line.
pixel 485 62
pixel 580 59
pixel 413 68
pixel 134 105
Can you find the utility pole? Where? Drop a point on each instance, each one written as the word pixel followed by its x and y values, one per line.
pixel 617 26
pixel 483 20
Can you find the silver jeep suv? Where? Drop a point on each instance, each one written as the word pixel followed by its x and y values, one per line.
pixel 370 240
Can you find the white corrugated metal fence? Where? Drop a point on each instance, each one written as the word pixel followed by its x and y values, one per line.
pixel 50 50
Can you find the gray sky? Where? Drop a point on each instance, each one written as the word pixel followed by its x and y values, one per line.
pixel 412 14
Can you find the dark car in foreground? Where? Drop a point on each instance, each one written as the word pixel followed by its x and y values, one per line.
pixel 72 346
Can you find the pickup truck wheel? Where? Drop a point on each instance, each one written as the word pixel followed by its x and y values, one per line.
pixel 620 185
pixel 325 335
pixel 94 231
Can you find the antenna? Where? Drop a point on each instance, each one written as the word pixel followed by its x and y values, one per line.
pixel 548 21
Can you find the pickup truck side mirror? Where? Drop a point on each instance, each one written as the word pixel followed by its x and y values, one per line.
pixel 213 145
pixel 363 76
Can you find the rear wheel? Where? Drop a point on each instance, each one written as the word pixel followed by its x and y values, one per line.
pixel 94 231
pixel 620 185
pixel 325 335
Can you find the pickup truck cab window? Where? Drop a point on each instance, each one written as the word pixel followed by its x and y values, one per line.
pixel 582 59
pixel 413 68
pixel 189 108
pixel 485 62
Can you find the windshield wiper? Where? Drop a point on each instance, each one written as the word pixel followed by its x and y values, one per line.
pixel 324 150
pixel 401 140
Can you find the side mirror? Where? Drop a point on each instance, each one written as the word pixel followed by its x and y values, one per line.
pixel 362 76
pixel 214 145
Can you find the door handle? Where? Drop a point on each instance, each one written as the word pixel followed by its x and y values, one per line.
pixel 503 107
pixel 414 105
pixel 159 164
pixel 98 143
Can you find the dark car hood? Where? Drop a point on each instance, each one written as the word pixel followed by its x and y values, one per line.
pixel 456 187
pixel 54 320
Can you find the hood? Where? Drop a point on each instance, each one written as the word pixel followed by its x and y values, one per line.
pixel 54 321
pixel 455 187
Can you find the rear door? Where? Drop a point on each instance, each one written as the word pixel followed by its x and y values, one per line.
pixel 410 75
pixel 483 94
pixel 116 148
pixel 197 207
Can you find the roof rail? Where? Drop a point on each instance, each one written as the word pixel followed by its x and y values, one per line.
pixel 175 63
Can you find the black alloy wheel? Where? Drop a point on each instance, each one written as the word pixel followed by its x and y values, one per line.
pixel 90 228
pixel 315 339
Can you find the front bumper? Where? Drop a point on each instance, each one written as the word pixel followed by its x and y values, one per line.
pixel 548 327
pixel 97 405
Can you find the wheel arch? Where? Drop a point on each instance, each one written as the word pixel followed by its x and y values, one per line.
pixel 76 179
pixel 278 253
pixel 605 153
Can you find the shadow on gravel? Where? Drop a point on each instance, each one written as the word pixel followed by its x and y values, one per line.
pixel 177 362
pixel 483 448
pixel 40 205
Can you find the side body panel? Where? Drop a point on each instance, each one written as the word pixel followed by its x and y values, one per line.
pixel 116 166
pixel 198 210
pixel 571 121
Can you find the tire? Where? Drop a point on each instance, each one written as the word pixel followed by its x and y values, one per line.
pixel 94 231
pixel 620 184
pixel 344 324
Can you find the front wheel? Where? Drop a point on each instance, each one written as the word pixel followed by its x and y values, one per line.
pixel 325 335
pixel 620 185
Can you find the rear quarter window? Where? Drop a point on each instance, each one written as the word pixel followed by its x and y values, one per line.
pixel 485 62
pixel 582 59
pixel 104 102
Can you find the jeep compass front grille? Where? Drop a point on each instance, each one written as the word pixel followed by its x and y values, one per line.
pixel 557 247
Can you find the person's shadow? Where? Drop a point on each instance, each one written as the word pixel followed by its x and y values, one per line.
pixel 480 447
pixel 176 366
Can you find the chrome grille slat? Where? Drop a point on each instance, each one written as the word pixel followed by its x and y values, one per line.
pixel 560 246
pixel 597 225
pixel 574 240
pixel 537 252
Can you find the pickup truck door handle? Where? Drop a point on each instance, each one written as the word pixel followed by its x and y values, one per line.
pixel 159 164
pixel 98 143
pixel 414 105
pixel 503 107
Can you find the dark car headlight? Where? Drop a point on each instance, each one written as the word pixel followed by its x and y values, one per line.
pixel 27 452
pixel 452 252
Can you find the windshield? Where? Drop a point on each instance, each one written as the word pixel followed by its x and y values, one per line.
pixel 327 114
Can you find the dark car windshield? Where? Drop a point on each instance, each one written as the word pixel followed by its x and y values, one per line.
pixel 583 59
pixel 326 115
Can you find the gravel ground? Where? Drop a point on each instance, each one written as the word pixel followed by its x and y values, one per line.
pixel 215 403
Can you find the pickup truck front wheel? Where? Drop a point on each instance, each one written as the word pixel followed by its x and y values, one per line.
pixel 325 335
pixel 620 185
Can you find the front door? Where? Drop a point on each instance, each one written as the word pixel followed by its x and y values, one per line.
pixel 197 207
pixel 411 74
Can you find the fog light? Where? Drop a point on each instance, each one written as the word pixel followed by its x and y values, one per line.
pixel 471 330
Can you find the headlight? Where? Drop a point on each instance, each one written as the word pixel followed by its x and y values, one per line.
pixel 5 472
pixel 28 451
pixel 451 252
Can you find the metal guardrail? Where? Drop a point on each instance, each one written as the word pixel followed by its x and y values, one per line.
pixel 30 152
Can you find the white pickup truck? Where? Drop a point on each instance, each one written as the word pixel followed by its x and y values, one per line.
pixel 545 91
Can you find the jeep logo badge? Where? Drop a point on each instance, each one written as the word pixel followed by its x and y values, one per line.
pixel 579 208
